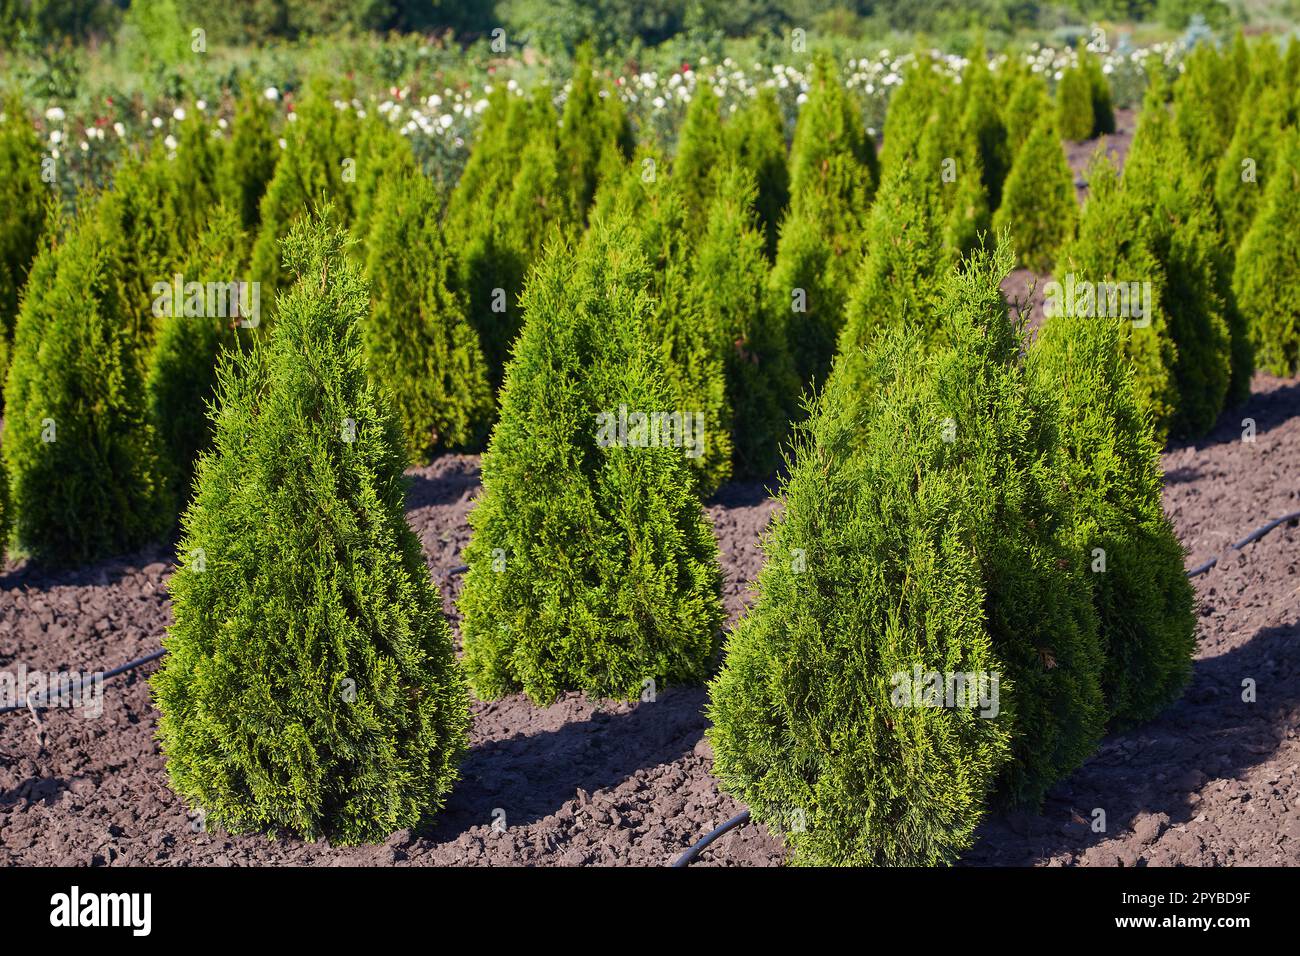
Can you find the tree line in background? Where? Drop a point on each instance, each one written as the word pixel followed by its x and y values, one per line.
pixel 564 24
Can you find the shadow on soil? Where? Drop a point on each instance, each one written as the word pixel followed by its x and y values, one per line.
pixel 1209 734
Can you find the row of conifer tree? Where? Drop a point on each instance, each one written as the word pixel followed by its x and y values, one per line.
pixel 953 503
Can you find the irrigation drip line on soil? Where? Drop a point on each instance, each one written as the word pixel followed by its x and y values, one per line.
pixel 33 704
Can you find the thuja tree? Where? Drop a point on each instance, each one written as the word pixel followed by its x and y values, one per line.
pixel 1109 258
pixel 808 291
pixel 1268 262
pixel 1244 168
pixel 693 362
pixel 317 165
pixel 1112 465
pixel 311 684
pixel 1178 220
pixel 982 125
pixel 755 140
pixel 1029 100
pixel 591 565
pixel 934 493
pixel 197 323
pixel 1103 109
pixel 1074 117
pixel 700 149
pixel 727 292
pixel 594 132
pixel 22 210
pixel 1205 107
pixel 248 163
pixel 1038 205
pixel 905 268
pixel 83 461
pixel 419 343
pixel 499 220
pixel 382 154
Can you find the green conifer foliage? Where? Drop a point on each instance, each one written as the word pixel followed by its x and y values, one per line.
pixel 382 154
pixel 692 359
pixel 700 149
pixel 1267 263
pixel 182 375
pixel 248 163
pixel 22 211
pixel 83 461
pixel 419 344
pixel 1244 167
pixel 982 124
pixel 1029 101
pixel 1110 249
pixel 755 139
pixel 727 292
pixel 313 169
pixel 1140 590
pixel 311 684
pixel 1205 108
pixel 924 527
pixel 1176 213
pixel 806 294
pixel 906 265
pixel 594 131
pixel 1074 116
pixel 592 566
pixel 1038 204
pixel 1103 110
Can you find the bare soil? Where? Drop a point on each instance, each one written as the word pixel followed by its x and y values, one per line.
pixel 1212 781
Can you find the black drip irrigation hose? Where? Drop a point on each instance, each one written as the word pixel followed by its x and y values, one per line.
pixel 31 703
pixel 690 855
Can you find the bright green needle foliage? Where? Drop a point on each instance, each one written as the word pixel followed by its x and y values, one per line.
pixel 1243 170
pixel 311 684
pixel 248 163
pixel 727 292
pixel 182 373
pixel 982 124
pixel 592 566
pixel 595 134
pixel 1206 98
pixel 755 139
pixel 22 212
pixel 700 149
pixel 1038 205
pixel 1109 249
pixel 419 343
pixel 1028 102
pixel 85 477
pixel 924 527
pixel 1177 217
pixel 1074 117
pixel 1112 462
pixel 1267 263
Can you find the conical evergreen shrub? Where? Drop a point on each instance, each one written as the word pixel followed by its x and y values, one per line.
pixel 1176 215
pixel 1112 463
pixel 1110 249
pixel 700 149
pixel 592 566
pixel 248 164
pixel 692 360
pixel 925 531
pixel 594 133
pixel 727 292
pixel 419 343
pixel 85 474
pixel 906 266
pixel 1243 169
pixel 312 170
pixel 195 328
pixel 311 684
pixel 982 124
pixel 1103 109
pixel 808 291
pixel 1074 116
pixel 1038 206
pixel 1205 99
pixel 1028 102
pixel 755 140
pixel 1269 261
pixel 22 211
